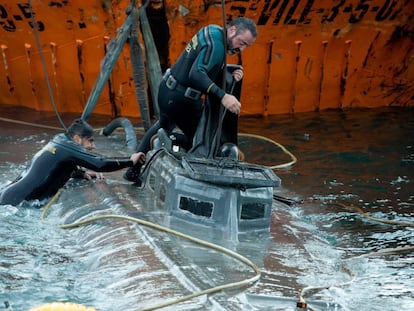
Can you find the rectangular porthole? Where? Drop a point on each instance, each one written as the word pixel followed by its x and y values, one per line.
pixel 162 193
pixel 196 207
pixel 252 211
pixel 152 179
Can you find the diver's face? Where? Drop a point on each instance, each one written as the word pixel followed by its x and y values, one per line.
pixel 238 41
pixel 88 143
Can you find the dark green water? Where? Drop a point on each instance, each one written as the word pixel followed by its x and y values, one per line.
pixel 361 157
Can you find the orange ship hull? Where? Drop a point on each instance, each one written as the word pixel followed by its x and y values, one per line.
pixel 310 55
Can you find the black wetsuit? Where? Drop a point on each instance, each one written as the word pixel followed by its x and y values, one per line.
pixel 199 67
pixel 53 166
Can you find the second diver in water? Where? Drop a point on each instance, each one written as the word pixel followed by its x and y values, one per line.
pixel 66 155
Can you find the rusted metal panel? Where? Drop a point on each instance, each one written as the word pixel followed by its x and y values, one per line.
pixel 310 55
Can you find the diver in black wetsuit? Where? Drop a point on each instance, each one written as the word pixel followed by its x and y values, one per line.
pixel 197 72
pixel 65 156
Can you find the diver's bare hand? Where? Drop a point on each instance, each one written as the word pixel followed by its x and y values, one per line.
pixel 93 175
pixel 238 74
pixel 231 103
pixel 138 157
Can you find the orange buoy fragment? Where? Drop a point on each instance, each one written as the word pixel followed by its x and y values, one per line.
pixel 62 306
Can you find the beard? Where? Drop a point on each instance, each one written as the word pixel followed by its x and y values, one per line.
pixel 230 49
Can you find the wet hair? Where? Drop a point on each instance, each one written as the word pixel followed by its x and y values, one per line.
pixel 81 128
pixel 242 24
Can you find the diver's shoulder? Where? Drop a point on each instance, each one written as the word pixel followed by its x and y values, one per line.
pixel 63 140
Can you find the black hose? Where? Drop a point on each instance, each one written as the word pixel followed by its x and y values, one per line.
pixel 131 138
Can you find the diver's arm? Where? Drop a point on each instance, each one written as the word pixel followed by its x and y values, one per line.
pixel 100 164
pixel 74 154
pixel 209 59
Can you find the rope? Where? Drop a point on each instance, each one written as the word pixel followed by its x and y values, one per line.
pixel 42 58
pixel 99 130
pixel 387 251
pixel 366 215
pixel 30 124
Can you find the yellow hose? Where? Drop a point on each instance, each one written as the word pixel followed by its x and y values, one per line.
pixel 279 166
pixel 49 204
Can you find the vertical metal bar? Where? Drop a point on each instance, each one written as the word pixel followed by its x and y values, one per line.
pixel 4 49
pixel 28 48
pixel 267 79
pixel 138 70
pixel 344 75
pixel 153 60
pixel 111 92
pixel 53 49
pixel 322 74
pixel 114 49
pixel 79 48
pixel 297 58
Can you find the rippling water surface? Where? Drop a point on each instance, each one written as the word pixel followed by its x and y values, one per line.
pixel 331 255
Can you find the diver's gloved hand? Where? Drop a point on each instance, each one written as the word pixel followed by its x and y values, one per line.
pixel 133 174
